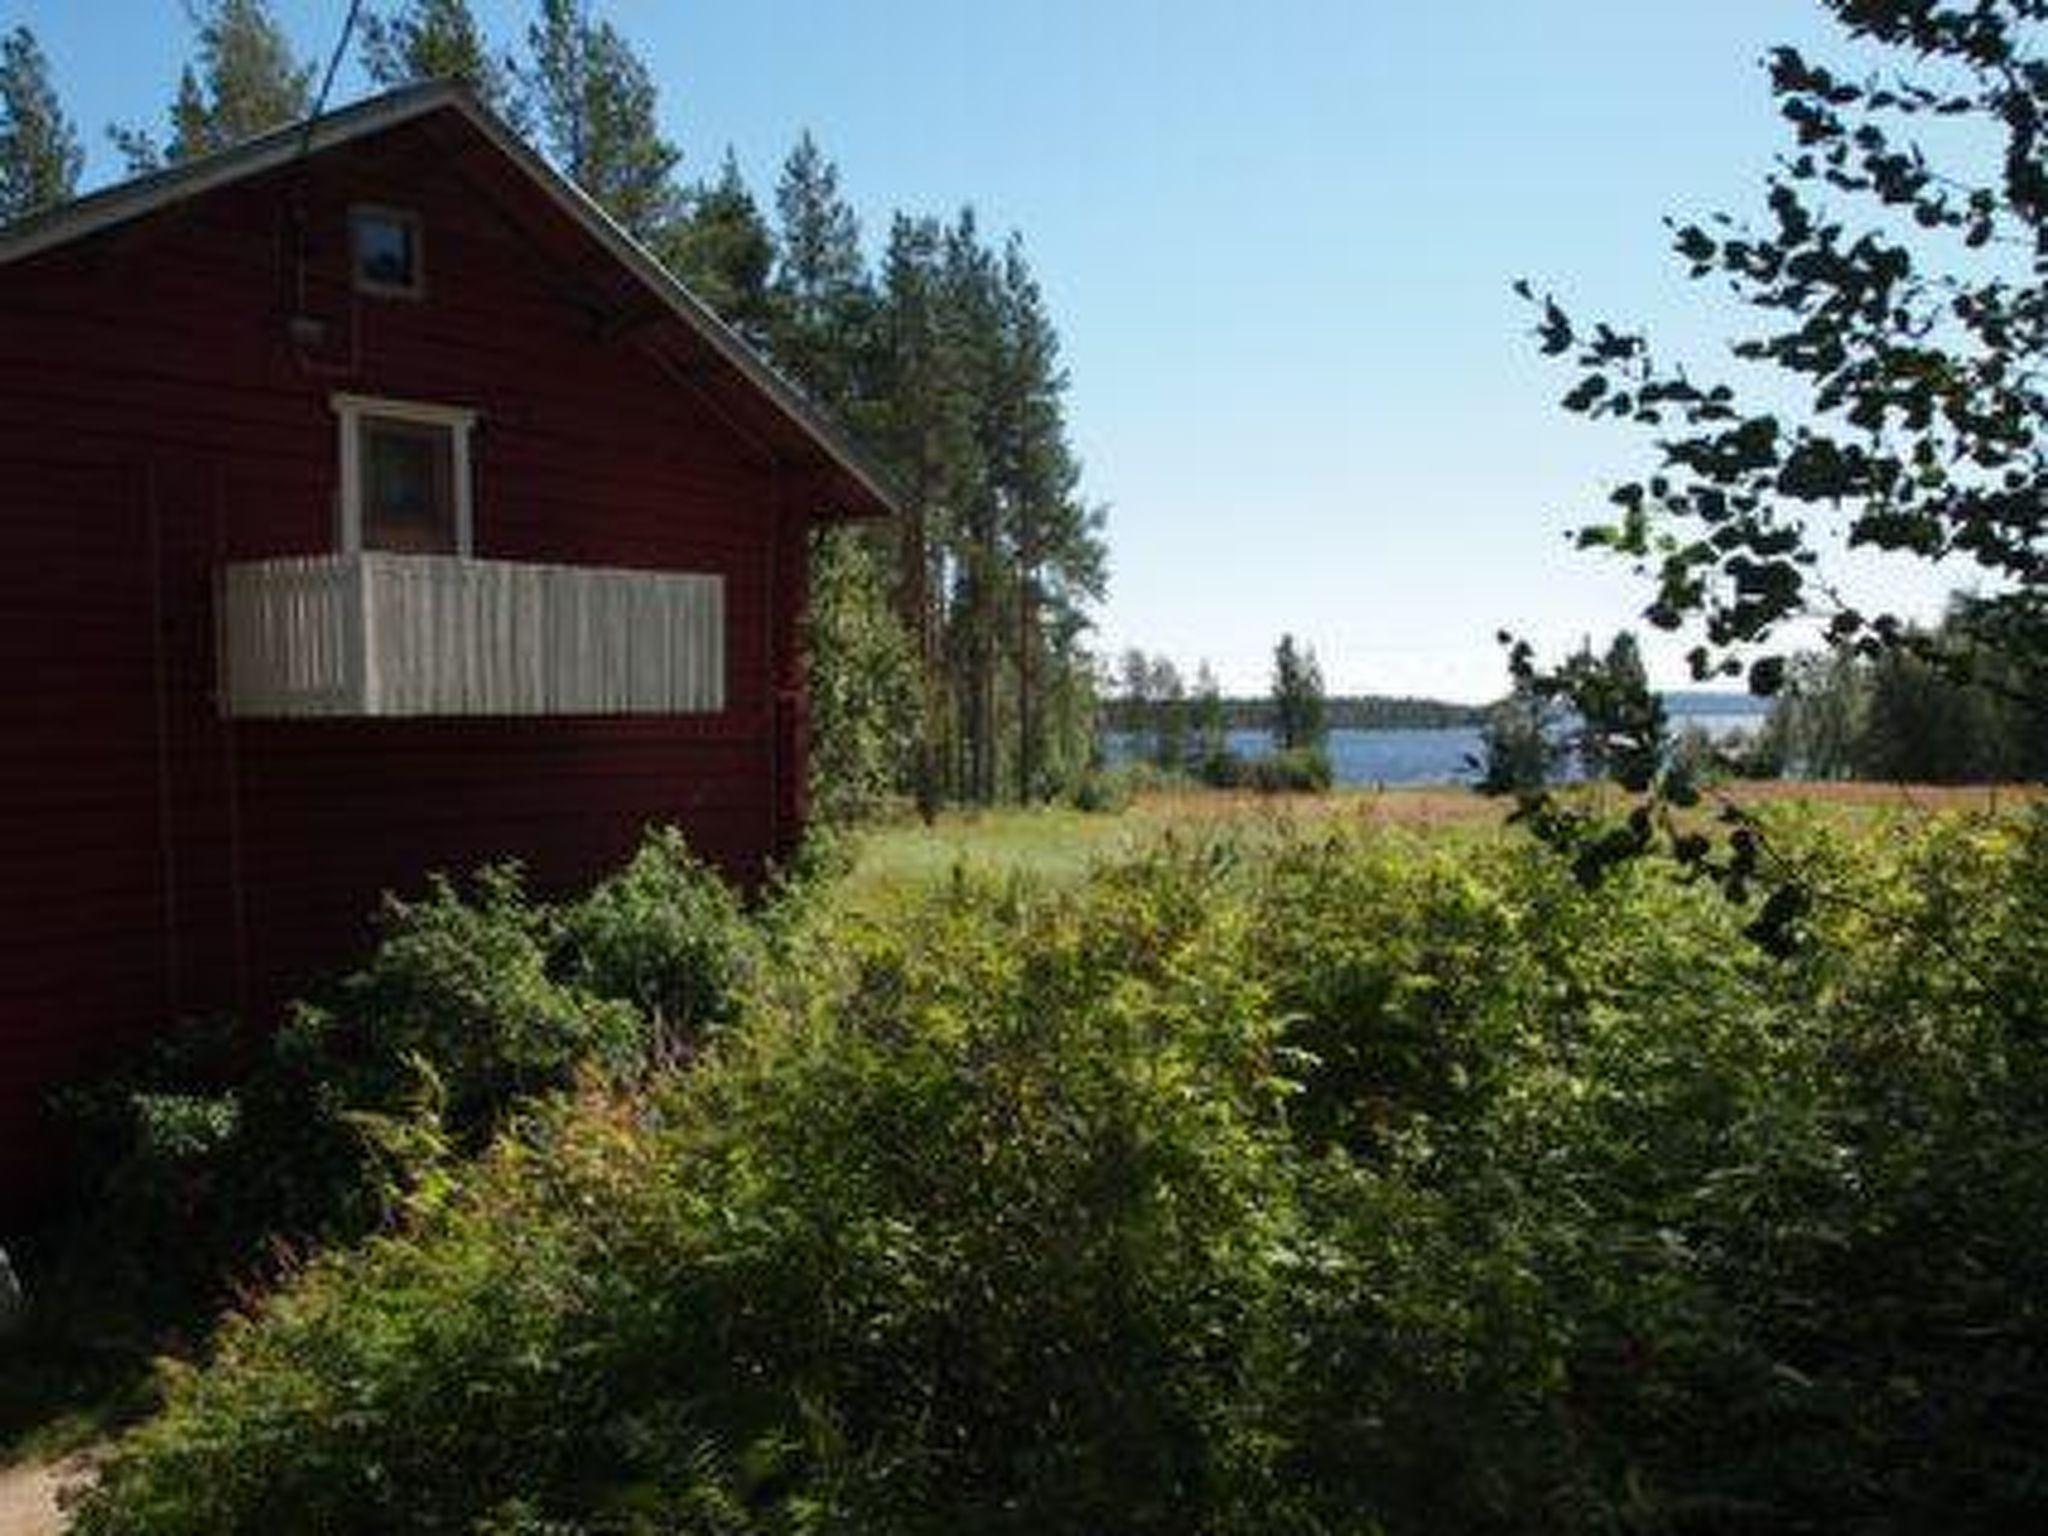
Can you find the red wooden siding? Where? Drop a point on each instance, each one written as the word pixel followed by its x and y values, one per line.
pixel 158 861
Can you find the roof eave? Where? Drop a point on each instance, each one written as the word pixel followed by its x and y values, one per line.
pixel 885 500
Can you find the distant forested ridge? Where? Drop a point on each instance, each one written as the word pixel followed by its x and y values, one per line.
pixel 1363 712
pixel 1407 712
pixel 1704 701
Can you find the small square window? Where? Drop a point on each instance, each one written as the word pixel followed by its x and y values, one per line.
pixel 386 246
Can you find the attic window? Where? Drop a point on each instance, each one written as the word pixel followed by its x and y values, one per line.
pixel 386 246
pixel 405 476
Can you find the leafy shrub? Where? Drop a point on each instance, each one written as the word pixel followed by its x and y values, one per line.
pixel 463 987
pixel 1103 791
pixel 210 1148
pixel 1716 1242
pixel 1404 970
pixel 1298 770
pixel 968 1232
pixel 154 1214
pixel 665 934
pixel 1335 1184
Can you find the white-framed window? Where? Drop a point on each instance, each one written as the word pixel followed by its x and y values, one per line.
pixel 407 483
pixel 385 253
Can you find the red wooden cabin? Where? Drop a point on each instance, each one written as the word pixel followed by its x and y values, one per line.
pixel 370 505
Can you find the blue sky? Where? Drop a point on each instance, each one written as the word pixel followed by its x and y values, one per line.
pixel 1278 240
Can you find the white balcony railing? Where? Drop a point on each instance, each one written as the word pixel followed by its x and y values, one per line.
pixel 390 635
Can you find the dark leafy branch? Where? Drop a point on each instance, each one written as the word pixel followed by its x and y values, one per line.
pixel 1902 300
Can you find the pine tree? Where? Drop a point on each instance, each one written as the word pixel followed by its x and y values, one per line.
pixel 824 302
pixel 245 80
pixel 724 250
pixel 981 569
pixel 593 102
pixel 435 40
pixel 949 366
pixel 1050 535
pixel 39 153
pixel 820 313
pixel 924 424
pixel 1005 552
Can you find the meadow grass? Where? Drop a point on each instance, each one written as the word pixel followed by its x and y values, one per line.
pixel 1060 844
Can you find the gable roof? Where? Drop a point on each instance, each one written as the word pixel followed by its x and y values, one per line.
pixel 859 488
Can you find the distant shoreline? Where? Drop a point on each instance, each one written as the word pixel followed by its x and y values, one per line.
pixel 1389 712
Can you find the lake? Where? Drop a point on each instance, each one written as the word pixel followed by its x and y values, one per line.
pixel 1440 756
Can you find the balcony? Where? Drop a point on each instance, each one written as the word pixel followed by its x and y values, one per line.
pixel 389 635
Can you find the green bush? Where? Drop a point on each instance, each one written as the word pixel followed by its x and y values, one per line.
pixel 970 1230
pixel 198 1158
pixel 462 986
pixel 1332 1184
pixel 155 1212
pixel 667 935
pixel 1709 1241
pixel 1103 791
pixel 1298 770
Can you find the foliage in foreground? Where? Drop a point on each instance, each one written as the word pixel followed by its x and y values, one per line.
pixel 1335 1186
pixel 1899 292
pixel 1897 284
pixel 206 1153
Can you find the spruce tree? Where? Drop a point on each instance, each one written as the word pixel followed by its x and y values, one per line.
pixel 434 40
pixel 39 153
pixel 593 103
pixel 244 80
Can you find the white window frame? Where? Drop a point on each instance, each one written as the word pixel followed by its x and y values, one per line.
pixel 461 424
pixel 358 213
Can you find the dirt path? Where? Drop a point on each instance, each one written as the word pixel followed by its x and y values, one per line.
pixel 28 1495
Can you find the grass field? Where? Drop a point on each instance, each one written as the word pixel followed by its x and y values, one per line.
pixel 1057 842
